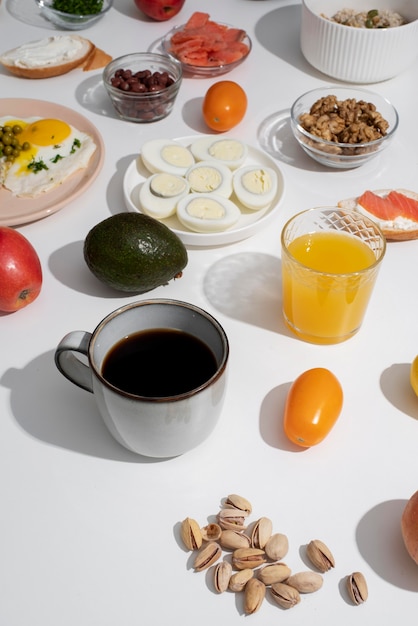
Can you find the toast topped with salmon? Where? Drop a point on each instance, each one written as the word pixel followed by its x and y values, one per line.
pixel 395 210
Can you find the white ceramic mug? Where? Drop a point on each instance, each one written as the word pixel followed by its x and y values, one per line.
pixel 153 426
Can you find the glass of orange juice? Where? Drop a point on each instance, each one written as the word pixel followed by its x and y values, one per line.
pixel 330 259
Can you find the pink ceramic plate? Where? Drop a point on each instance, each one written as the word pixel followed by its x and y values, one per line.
pixel 15 211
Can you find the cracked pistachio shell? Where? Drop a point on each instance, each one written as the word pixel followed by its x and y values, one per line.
pixel 357 588
pixel 211 532
pixel 261 532
pixel 207 556
pixel 221 576
pixel 244 558
pixel 238 580
pixel 320 555
pixel 191 534
pixel 233 539
pixel 285 595
pixel 277 547
pixel 238 502
pixel 305 582
pixel 232 519
pixel 275 573
pixel 255 592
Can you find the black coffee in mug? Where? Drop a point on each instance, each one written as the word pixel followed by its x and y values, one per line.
pixel 159 363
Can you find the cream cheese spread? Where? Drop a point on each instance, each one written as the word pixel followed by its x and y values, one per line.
pixel 53 50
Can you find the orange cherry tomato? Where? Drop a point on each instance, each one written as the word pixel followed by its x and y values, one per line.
pixel 313 405
pixel 224 105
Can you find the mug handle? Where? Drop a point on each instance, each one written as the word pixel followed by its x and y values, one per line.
pixel 69 364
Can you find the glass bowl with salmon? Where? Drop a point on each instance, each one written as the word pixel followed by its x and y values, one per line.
pixel 343 127
pixel 206 48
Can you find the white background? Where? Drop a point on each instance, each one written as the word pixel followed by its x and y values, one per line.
pixel 89 533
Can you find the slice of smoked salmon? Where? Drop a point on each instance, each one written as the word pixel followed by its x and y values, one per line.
pixel 198 19
pixel 378 206
pixel 391 206
pixel 407 207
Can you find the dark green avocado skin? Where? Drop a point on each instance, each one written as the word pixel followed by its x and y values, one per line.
pixel 134 253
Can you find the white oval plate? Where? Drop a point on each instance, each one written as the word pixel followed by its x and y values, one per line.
pixel 250 222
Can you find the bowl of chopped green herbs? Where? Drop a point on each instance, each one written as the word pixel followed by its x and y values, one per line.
pixel 74 14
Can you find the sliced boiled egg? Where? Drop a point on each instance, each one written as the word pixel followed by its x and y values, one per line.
pixel 207 213
pixel 166 155
pixel 255 186
pixel 210 177
pixel 230 152
pixel 160 193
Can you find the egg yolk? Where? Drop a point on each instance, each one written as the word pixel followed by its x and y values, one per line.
pixel 45 132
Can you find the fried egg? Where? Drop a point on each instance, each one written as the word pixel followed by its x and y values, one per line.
pixel 207 213
pixel 255 186
pixel 56 151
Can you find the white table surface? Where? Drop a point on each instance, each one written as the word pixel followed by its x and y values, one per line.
pixel 88 531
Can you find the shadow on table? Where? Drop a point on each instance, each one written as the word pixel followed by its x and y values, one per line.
pixel 395 385
pixel 247 287
pixel 56 412
pixel 380 542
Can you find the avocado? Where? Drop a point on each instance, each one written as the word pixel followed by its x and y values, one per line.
pixel 133 252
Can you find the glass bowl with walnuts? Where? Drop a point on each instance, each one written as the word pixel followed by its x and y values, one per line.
pixel 343 127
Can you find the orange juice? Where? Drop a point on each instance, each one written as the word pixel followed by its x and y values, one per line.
pixel 328 277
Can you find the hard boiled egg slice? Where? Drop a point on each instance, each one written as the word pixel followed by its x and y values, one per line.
pixel 210 177
pixel 165 155
pixel 207 213
pixel 255 186
pixel 160 193
pixel 230 152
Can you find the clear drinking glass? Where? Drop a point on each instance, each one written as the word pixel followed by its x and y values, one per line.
pixel 330 261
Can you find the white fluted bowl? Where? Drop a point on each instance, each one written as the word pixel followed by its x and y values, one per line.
pixel 358 55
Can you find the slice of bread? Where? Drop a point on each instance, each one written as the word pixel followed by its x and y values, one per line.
pixel 399 229
pixel 48 57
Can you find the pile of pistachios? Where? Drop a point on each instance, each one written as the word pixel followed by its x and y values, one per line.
pixel 248 558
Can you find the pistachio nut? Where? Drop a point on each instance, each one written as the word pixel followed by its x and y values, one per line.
pixel 232 519
pixel 275 573
pixel 207 556
pixel 238 580
pixel 221 575
pixel 211 532
pixel 320 555
pixel 305 582
pixel 261 532
pixel 244 558
pixel 357 588
pixel 285 595
pixel 277 547
pixel 191 534
pixel 238 502
pixel 255 592
pixel 233 539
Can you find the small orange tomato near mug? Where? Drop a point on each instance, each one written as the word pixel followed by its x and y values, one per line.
pixel 313 405
pixel 224 105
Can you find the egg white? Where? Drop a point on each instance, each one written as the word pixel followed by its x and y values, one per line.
pixel 166 155
pixel 255 186
pixel 231 152
pixel 210 177
pixel 57 150
pixel 207 213
pixel 160 193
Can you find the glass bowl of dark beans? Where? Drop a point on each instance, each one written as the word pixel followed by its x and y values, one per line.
pixel 143 86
